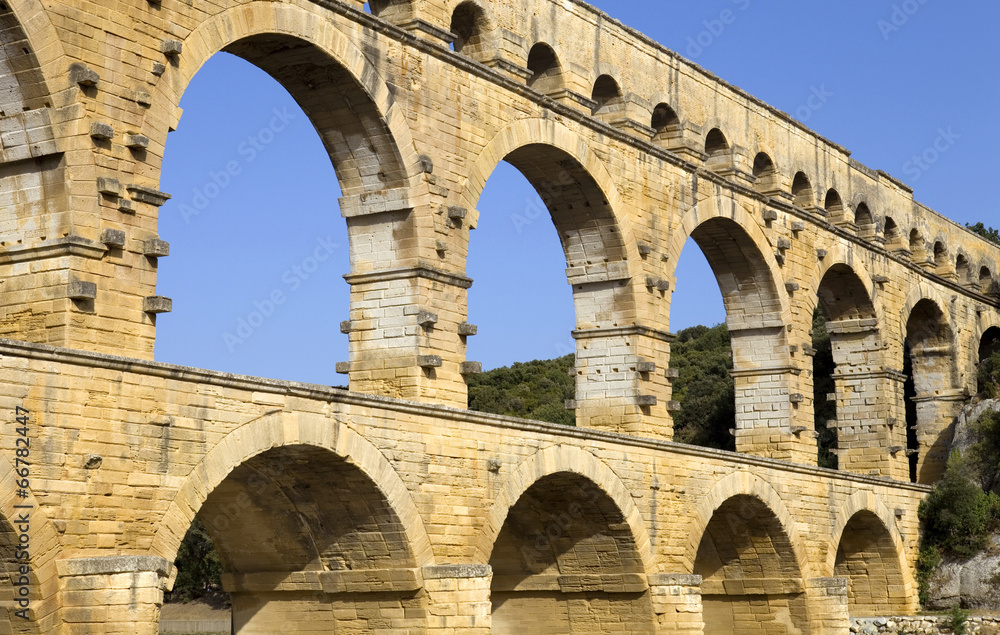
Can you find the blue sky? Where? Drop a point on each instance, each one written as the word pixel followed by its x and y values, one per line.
pixel 896 75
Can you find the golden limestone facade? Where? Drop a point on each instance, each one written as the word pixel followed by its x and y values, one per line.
pixel 389 507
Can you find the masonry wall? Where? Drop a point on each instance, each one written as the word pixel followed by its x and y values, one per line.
pixel 130 451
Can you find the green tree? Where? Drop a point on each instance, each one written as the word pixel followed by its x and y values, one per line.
pixel 530 390
pixel 199 570
pixel 988 233
pixel 704 387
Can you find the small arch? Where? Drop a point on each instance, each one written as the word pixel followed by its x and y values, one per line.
pixel 893 237
pixel 763 166
pixel 985 280
pixel 468 23
pixel 607 95
pixel 546 71
pixel 765 173
pixel 833 204
pixel 802 192
pixel 963 269
pixel 716 143
pixel 665 121
pixel 865 221
pixel 940 255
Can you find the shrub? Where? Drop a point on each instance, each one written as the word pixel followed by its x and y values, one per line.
pixel 989 377
pixel 984 455
pixel 957 620
pixel 957 515
pixel 927 562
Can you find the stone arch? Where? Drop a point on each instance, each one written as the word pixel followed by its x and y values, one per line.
pixel 756 311
pixel 547 134
pixel 303 498
pixel 744 544
pixel 937 392
pixel 866 548
pixel 562 459
pixel 774 303
pixel 803 193
pixel 44 541
pixel 741 483
pixel 985 279
pixel 607 95
pixel 281 30
pixel 546 69
pixel 473 23
pixel 665 121
pixel 283 430
pixel 25 67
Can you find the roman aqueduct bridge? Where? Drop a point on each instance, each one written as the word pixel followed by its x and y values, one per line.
pixel 390 507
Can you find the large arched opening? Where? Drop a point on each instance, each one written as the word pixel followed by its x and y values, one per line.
pixel 306 538
pixel 932 402
pixel 565 561
pixel 277 131
pixel 562 193
pixel 756 353
pixel 751 580
pixel 863 421
pixel 868 558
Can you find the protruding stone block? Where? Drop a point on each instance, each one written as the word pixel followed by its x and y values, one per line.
pixel 791 286
pixel 570 404
pixel 457 213
pixel 645 249
pixel 125 206
pixel 645 367
pixel 346 326
pixel 82 75
pixel 148 195
pixel 796 398
pixel 113 238
pixel 79 290
pixel 646 400
pixel 157 304
pixel 109 186
pixel 471 368
pixel 466 329
pixel 159 68
pixel 343 368
pixel 427 319
pixel 171 48
pixel 672 373
pixel 156 248
pixel 673 406
pixel 784 243
pixel 136 141
pixel 770 215
pixel 102 131
pixel 429 361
